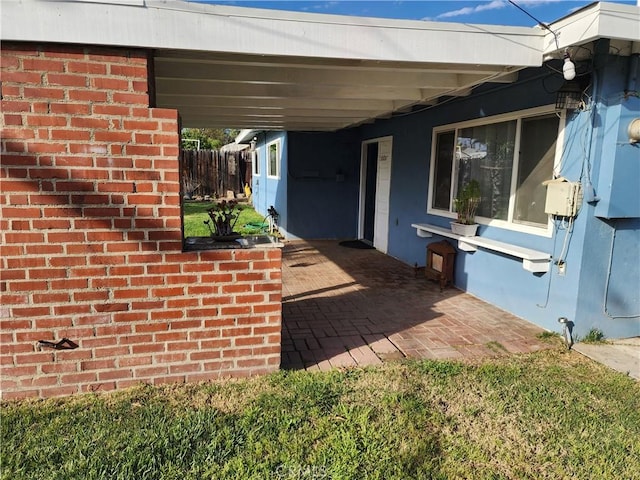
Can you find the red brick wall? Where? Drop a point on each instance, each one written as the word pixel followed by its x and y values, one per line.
pixel 91 239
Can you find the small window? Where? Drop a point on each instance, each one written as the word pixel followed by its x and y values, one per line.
pixel 255 162
pixel 510 156
pixel 443 165
pixel 273 159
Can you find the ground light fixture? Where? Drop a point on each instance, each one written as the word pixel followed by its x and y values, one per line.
pixel 567 331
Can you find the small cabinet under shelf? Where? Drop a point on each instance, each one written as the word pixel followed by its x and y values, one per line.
pixel 440 263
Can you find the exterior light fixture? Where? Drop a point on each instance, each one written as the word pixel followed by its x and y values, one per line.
pixel 634 131
pixel 569 96
pixel 567 331
pixel 568 68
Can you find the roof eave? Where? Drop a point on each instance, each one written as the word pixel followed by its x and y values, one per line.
pixel 599 20
pixel 161 25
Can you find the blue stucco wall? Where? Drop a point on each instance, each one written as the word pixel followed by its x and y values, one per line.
pixel 600 281
pixel 590 291
pixel 323 185
pixel 270 191
pixel 616 160
pixel 609 294
pixel 412 151
pixel 609 291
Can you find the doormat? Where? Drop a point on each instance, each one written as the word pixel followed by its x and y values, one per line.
pixel 356 244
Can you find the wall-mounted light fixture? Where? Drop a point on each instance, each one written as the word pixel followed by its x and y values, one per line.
pixel 568 68
pixel 634 131
pixel 253 143
pixel 569 96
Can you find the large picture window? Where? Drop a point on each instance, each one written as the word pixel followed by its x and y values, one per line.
pixel 273 159
pixel 510 156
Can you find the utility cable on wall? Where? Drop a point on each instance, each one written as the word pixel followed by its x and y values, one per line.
pixel 553 255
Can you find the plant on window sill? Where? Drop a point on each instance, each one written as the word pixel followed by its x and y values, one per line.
pixel 466 204
pixel 223 217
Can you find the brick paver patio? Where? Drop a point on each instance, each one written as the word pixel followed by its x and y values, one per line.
pixel 347 307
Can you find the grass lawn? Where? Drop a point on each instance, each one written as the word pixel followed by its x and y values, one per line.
pixel 195 213
pixel 552 415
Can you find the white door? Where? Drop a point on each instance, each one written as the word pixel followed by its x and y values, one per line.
pixel 383 191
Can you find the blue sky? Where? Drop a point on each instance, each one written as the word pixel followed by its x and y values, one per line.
pixel 499 12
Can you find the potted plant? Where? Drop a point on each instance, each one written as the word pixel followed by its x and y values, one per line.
pixel 222 218
pixel 466 204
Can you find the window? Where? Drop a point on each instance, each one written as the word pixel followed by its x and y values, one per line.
pixel 510 156
pixel 255 161
pixel 273 159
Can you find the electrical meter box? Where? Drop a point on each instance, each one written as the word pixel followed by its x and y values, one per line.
pixel 564 199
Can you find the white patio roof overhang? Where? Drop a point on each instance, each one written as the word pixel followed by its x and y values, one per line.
pixel 233 67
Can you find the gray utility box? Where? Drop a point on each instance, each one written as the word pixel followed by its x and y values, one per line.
pixel 563 198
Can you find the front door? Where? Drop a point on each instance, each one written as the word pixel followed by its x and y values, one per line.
pixel 370 179
pixel 375 189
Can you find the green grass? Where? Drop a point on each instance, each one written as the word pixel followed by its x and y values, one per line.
pixel 195 213
pixel 549 415
pixel 548 336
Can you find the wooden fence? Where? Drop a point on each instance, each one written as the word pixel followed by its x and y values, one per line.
pixel 212 172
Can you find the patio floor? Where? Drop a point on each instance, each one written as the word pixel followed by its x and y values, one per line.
pixel 346 307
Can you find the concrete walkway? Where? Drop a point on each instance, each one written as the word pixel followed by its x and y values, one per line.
pixel 622 355
pixel 346 307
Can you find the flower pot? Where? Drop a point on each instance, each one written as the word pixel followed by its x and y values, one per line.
pixel 463 229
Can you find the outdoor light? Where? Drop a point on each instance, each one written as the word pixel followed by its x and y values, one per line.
pixel 569 68
pixel 567 331
pixel 569 96
pixel 634 131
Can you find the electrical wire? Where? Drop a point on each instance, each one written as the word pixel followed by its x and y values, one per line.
pixel 565 243
pixel 539 22
pixel 585 143
pixel 554 89
pixel 581 132
pixel 455 99
pixel 553 255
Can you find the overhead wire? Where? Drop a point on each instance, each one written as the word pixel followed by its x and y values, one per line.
pixel 539 22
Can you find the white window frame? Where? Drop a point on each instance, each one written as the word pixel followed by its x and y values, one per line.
pixel 255 163
pixel 278 145
pixel 509 224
